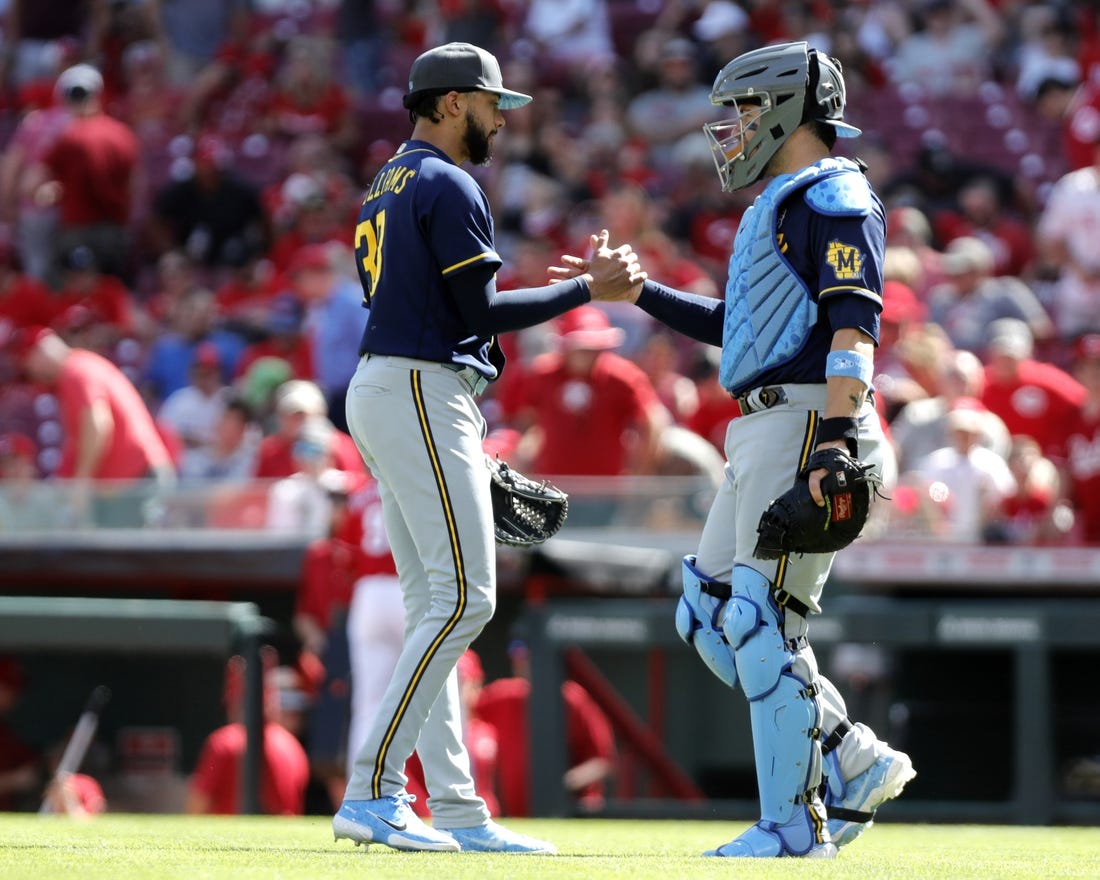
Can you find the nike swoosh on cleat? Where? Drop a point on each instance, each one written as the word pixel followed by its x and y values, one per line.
pixel 395 826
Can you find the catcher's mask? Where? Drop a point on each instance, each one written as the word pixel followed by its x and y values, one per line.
pixel 772 91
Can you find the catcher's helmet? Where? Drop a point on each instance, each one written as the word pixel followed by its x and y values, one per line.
pixel 774 90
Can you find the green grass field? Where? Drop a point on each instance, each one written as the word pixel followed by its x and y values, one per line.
pixel 190 848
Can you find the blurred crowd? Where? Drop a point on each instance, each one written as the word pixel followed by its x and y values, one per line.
pixel 179 181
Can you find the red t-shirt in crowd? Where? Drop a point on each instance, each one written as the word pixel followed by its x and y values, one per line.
pixel 93 160
pixel 276 459
pixel 712 417
pixel 321 114
pixel 365 528
pixel 135 447
pixel 107 299
pixel 26 303
pixel 584 420
pixel 284 772
pixel 504 704
pixel 1082 456
pixel 328 576
pixel 1038 402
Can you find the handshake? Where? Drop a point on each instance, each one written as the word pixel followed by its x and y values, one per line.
pixel 613 274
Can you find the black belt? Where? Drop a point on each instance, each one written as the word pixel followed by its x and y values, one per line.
pixel 471 377
pixel 760 398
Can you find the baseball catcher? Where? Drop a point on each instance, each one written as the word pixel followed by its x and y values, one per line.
pixel 794 523
pixel 525 513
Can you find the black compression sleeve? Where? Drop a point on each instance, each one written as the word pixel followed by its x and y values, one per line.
pixel 700 317
pixel 488 311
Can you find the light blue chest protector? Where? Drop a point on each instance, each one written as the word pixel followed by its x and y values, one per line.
pixel 769 310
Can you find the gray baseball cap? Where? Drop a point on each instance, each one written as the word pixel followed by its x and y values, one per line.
pixel 460 66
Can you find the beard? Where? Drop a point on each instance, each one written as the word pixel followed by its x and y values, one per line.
pixel 477 141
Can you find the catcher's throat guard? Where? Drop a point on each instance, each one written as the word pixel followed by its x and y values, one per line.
pixel 525 513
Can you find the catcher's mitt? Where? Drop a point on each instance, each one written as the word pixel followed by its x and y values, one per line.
pixel 793 523
pixel 524 512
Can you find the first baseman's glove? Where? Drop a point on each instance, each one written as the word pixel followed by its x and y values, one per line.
pixel 524 512
pixel 793 523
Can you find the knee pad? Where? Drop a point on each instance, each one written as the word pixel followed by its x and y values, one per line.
pixel 697 623
pixel 750 622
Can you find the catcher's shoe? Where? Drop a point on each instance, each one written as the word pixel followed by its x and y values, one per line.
pixel 764 841
pixel 492 837
pixel 851 805
pixel 389 821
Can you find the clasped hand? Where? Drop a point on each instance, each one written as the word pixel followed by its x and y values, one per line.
pixel 613 274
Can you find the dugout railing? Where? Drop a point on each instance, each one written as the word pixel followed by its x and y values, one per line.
pixel 1027 633
pixel 142 628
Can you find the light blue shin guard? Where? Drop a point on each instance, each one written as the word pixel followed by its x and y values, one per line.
pixel 785 728
pixel 697 622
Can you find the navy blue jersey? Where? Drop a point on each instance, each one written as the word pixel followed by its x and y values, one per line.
pixel 839 258
pixel 424 220
pixel 841 262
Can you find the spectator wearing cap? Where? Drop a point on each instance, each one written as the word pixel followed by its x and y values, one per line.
pixel 296 402
pixel 108 433
pixel 971 481
pixel 193 412
pixel 972 297
pixel 212 215
pixel 585 390
pixel 1034 398
pixel 214 787
pixel 92 166
pixel 321 278
pixel 1081 452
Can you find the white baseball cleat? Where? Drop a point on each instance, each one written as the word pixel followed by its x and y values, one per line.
pixel 851 809
pixel 492 837
pixel 389 821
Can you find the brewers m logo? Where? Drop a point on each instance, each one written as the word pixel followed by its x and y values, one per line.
pixel 846 260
